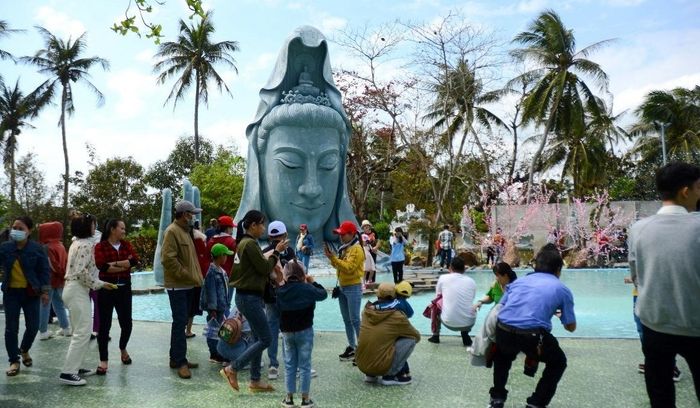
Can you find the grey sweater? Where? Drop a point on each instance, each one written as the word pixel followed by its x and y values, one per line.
pixel 664 258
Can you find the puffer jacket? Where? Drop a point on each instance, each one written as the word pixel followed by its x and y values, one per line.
pixel 51 235
pixel 350 265
pixel 378 334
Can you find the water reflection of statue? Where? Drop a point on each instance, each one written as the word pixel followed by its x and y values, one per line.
pixel 298 142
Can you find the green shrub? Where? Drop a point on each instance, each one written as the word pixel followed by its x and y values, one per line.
pixel 382 229
pixel 144 242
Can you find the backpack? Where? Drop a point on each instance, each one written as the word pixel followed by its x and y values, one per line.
pixel 231 330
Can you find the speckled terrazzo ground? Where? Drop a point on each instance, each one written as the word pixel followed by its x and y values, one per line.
pixel 601 373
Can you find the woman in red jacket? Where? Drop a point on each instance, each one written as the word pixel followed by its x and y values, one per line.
pixel 50 235
pixel 114 257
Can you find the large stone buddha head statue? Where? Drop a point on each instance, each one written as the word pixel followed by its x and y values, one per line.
pixel 297 144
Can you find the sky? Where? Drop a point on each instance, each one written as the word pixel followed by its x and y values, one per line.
pixel 657 46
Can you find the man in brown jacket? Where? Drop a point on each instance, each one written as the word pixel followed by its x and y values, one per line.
pixel 386 341
pixel 181 275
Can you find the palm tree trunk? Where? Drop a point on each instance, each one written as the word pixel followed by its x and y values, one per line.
pixel 13 175
pixel 196 121
pixel 64 97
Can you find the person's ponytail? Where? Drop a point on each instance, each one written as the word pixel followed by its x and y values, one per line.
pixel 252 216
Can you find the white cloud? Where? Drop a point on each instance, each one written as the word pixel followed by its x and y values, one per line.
pixel 145 56
pixel 330 24
pixel 631 98
pixel 132 89
pixel 58 23
pixel 531 6
pixel 622 3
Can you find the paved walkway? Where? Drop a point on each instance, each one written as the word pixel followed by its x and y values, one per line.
pixel 601 373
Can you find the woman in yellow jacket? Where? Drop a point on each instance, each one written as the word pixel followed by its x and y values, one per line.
pixel 349 265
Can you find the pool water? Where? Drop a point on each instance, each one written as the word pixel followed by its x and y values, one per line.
pixel 603 303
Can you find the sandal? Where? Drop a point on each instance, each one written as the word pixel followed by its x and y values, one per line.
pixel 189 335
pixel 231 377
pixel 14 370
pixel 126 360
pixel 260 388
pixel 27 360
pixel 101 370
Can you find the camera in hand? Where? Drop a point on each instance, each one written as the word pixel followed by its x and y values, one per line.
pixel 336 292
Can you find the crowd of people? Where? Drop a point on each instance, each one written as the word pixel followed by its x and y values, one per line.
pixel 251 294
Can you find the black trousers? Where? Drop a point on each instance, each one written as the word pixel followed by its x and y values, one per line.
pixel 120 300
pixel 508 345
pixel 397 271
pixel 660 350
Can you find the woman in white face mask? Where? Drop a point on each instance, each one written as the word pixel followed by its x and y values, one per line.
pixel 25 284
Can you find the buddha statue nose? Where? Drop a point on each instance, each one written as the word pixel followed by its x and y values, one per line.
pixel 310 187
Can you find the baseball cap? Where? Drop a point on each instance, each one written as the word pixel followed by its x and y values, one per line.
pixel 276 228
pixel 226 221
pixel 386 290
pixel 220 249
pixel 303 226
pixel 404 288
pixel 186 206
pixel 346 227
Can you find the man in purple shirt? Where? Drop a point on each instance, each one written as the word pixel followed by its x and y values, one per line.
pixel 524 324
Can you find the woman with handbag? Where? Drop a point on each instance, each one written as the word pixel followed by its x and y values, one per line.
pixel 350 267
pixel 305 246
pixel 25 284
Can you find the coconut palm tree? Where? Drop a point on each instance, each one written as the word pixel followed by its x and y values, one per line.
pixel 64 63
pixel 458 107
pixel 679 111
pixel 4 32
pixel 15 111
pixel 559 93
pixel 191 59
pixel 582 151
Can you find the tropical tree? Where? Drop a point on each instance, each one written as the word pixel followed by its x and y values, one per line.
pixel 191 59
pixel 64 63
pixel 15 111
pixel 582 151
pixel 678 111
pixel 458 108
pixel 4 32
pixel 560 97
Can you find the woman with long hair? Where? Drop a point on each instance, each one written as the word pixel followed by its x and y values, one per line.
pixel 114 257
pixel 251 272
pixel 25 284
pixel 81 276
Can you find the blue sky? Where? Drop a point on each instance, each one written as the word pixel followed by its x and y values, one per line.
pixel 657 47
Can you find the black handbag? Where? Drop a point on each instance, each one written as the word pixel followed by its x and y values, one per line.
pixel 336 292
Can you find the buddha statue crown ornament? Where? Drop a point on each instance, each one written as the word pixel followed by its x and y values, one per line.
pixel 305 92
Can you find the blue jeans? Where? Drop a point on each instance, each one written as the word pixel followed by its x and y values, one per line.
pixel 273 320
pixel 297 355
pixel 232 351
pixel 179 305
pixel 16 300
pixel 253 309
pixel 212 343
pixel 445 257
pixel 59 308
pixel 349 300
pixel 305 260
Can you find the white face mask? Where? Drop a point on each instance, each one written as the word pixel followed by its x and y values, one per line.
pixel 18 235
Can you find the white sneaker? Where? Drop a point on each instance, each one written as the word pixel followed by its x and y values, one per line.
pixel 272 373
pixel 314 374
pixel 45 335
pixel 67 332
pixel 370 379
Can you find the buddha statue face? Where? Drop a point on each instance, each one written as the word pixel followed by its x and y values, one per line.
pixel 301 174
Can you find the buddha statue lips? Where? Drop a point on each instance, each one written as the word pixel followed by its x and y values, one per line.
pixel 297 144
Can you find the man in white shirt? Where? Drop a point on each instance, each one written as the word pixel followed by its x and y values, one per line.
pixel 457 313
